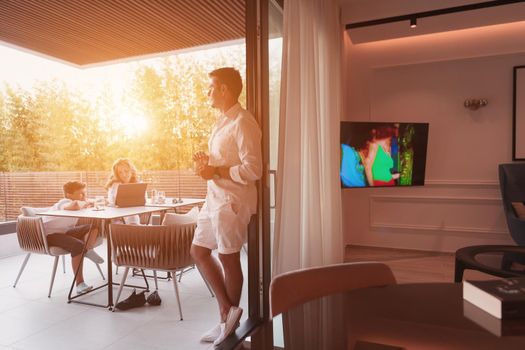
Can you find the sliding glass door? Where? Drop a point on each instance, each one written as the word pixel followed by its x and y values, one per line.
pixel 263 78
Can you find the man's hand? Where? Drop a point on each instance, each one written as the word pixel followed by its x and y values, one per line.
pixel 209 172
pixel 201 166
pixel 75 205
pixel 88 204
pixel 201 158
pixel 206 172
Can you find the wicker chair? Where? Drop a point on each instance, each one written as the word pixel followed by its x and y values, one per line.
pixel 296 287
pixel 145 219
pixel 158 248
pixel 32 239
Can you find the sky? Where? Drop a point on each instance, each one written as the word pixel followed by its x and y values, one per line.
pixel 23 69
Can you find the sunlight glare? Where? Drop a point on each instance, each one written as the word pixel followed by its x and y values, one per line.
pixel 132 123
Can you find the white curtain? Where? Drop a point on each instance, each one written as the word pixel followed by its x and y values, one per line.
pixel 308 216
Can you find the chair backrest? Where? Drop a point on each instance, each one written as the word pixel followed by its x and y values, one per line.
pixel 144 218
pixel 152 247
pixel 181 219
pixel 297 287
pixel 512 186
pixel 30 234
pixel 512 182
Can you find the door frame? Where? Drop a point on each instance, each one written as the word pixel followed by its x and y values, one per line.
pixel 259 250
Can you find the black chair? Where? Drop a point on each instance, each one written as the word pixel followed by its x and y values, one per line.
pixel 494 260
pixel 512 186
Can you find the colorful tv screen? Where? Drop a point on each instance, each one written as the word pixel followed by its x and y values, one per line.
pixel 380 154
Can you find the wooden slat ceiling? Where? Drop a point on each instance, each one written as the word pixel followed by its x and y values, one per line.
pixel 93 31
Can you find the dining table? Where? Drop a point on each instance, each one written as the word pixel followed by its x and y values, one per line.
pixel 403 316
pixel 174 203
pixel 105 216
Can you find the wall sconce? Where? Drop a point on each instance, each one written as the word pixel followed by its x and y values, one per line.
pixel 473 103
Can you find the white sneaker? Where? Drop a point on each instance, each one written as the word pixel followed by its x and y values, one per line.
pixel 93 256
pixel 83 288
pixel 228 327
pixel 212 334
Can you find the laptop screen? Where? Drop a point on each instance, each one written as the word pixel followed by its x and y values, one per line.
pixel 131 195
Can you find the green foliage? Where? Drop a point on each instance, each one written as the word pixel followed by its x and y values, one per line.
pixel 52 128
pixel 407 156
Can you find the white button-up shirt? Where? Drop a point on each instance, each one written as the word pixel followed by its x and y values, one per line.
pixel 58 224
pixel 235 142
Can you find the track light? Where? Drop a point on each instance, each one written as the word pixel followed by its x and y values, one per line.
pixel 412 17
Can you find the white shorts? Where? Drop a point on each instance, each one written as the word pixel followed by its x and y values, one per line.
pixel 224 228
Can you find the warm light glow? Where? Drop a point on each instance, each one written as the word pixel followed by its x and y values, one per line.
pixel 472 42
pixel 121 109
pixel 132 123
pixel 504 34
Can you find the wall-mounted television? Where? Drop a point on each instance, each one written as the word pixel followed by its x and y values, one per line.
pixel 383 154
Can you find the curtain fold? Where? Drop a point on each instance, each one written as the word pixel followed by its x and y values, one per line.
pixel 308 217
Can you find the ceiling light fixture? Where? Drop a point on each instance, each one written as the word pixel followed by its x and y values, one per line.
pixel 413 22
pixel 412 17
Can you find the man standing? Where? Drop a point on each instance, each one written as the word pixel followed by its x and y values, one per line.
pixel 233 165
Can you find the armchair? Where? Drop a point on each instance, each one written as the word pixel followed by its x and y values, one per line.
pixel 31 238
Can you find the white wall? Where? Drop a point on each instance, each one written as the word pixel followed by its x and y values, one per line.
pixel 426 79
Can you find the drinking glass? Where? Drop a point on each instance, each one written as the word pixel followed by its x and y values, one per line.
pixel 161 197
pixel 154 196
pixel 100 202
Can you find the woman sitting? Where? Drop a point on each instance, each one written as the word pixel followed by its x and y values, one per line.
pixel 123 172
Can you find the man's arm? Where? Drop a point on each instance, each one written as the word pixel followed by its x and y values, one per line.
pixel 74 205
pixel 77 205
pixel 248 140
pixel 208 172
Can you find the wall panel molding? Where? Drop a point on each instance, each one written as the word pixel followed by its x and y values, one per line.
pixel 452 222
pixel 431 229
pixel 435 199
pixel 462 183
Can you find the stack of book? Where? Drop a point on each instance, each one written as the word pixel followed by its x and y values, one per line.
pixel 496 305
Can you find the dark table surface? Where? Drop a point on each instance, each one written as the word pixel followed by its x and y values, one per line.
pixel 405 316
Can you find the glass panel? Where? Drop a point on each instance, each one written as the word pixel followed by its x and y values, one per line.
pixel 275 43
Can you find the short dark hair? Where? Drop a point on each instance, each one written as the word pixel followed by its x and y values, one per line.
pixel 71 186
pixel 230 77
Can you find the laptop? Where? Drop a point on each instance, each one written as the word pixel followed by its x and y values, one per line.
pixel 131 195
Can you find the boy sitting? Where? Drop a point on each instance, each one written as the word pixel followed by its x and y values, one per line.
pixel 64 233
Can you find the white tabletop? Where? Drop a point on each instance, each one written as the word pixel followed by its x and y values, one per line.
pixel 106 214
pixel 185 201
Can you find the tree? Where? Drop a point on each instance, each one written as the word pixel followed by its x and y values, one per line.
pixel 4 144
pixel 54 128
pixel 23 132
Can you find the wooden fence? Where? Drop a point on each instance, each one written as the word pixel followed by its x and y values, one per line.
pixel 42 189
